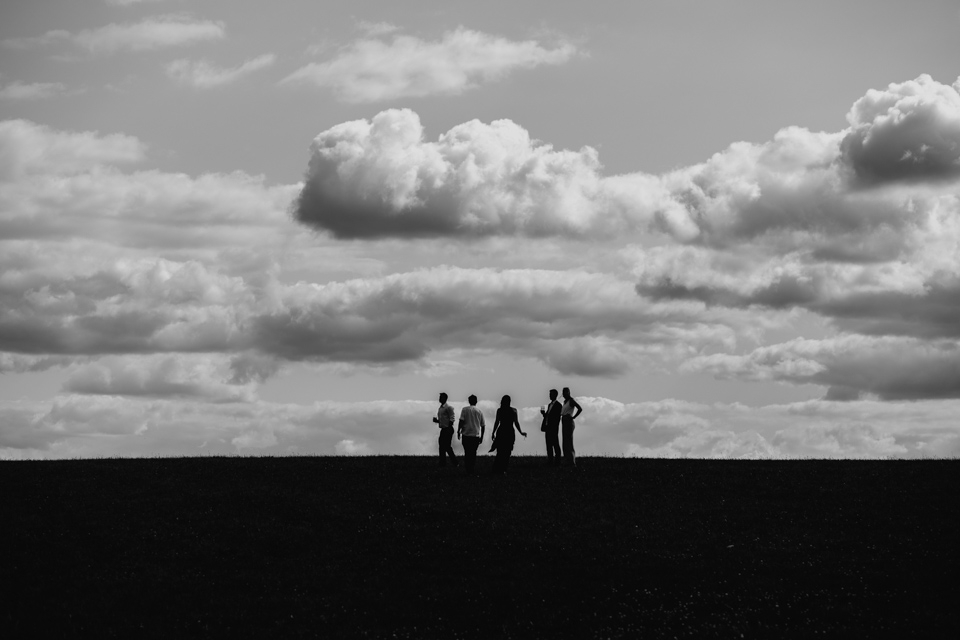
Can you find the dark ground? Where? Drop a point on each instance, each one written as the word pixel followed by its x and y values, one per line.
pixel 394 547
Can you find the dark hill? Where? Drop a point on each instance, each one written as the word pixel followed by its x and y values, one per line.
pixel 395 547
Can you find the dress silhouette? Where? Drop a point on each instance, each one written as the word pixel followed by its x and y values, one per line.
pixel 503 436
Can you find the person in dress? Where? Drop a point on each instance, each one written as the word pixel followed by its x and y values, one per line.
pixel 503 436
pixel 568 413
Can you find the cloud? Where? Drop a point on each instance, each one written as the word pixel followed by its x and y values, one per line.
pixel 802 190
pixel 379 178
pixel 374 29
pixel 575 322
pixel 29 148
pixel 890 368
pixel 372 70
pixel 157 32
pixel 32 91
pixel 207 377
pixel 909 131
pixel 205 75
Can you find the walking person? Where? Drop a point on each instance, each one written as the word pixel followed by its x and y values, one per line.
pixel 551 428
pixel 503 436
pixel 568 413
pixel 471 427
pixel 445 417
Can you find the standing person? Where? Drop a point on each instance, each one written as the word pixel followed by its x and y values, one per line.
pixel 568 413
pixel 445 417
pixel 503 436
pixel 471 426
pixel 551 428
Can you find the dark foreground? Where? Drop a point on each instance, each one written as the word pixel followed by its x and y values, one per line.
pixel 394 547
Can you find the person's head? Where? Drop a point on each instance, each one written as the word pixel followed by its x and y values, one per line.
pixel 472 400
pixel 443 398
pixel 505 402
pixel 566 393
pixel 553 394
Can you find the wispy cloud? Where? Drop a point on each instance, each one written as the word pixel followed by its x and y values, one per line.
pixel 371 70
pixel 32 91
pixel 206 75
pixel 151 33
pixel 374 29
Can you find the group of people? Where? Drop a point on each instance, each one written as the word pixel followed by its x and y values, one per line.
pixel 556 418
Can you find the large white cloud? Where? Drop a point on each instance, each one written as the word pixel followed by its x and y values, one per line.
pixel 802 189
pixel 371 70
pixel 380 178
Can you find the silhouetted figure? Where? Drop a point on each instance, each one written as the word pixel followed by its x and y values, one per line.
pixel 471 426
pixel 503 436
pixel 445 417
pixel 569 413
pixel 550 425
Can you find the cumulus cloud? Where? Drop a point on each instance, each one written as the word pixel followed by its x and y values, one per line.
pixel 32 91
pixel 380 178
pixel 802 190
pixel 372 70
pixel 157 32
pixel 206 75
pixel 908 131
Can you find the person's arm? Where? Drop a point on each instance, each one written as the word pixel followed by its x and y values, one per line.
pixel 460 425
pixel 579 409
pixel 483 427
pixel 516 423
pixel 496 425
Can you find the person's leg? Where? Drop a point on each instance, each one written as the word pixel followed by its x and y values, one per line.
pixel 440 448
pixel 546 438
pixel 446 445
pixel 470 444
pixel 567 443
pixel 553 446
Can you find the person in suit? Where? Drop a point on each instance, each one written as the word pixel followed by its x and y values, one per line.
pixel 503 436
pixel 568 413
pixel 471 427
pixel 444 419
pixel 550 425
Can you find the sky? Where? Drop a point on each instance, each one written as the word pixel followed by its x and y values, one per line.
pixel 732 228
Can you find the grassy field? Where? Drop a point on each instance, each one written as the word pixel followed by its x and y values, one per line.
pixel 395 547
